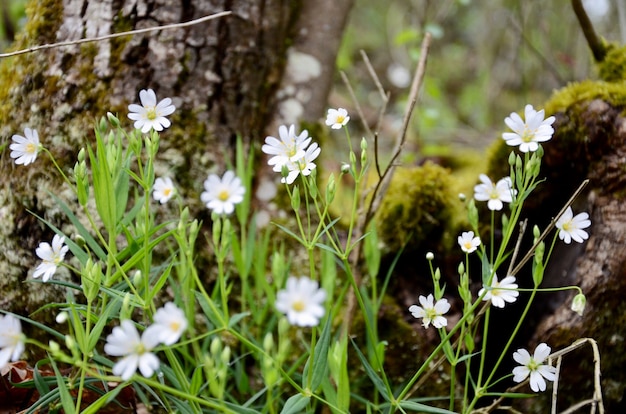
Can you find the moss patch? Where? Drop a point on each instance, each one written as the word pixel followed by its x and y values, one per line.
pixel 416 207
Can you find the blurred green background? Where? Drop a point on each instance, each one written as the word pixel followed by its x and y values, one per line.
pixel 488 58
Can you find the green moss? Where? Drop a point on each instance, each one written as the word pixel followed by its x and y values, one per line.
pixel 416 208
pixel 613 66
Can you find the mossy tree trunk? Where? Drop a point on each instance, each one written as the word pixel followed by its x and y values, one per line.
pixel 223 76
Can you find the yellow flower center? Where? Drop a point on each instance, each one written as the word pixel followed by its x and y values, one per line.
pixel 151 113
pixel 298 305
pixel 567 226
pixel 340 119
pixel 31 148
pixel 223 195
pixel 174 326
pixel 467 245
pixel 528 135
pixel 167 192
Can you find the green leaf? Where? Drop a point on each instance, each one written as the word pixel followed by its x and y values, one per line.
pixel 102 401
pixel 96 331
pixel 320 360
pixel 66 398
pixel 423 408
pixel 295 404
pixel 376 380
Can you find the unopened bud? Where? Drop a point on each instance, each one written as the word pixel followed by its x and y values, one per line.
pixel 578 304
pixel 430 256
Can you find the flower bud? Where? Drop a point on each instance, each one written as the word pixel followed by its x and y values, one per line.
pixel 430 256
pixel 512 158
pixel 268 342
pixel 62 317
pixel 363 151
pixel 113 120
pixel 345 168
pixel 462 197
pixel 578 304
pixel 330 189
pixel 461 269
pixel 295 198
pixel 216 346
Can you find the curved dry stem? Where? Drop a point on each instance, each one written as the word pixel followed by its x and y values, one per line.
pixel 114 35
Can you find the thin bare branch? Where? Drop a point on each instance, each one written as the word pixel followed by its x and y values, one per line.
pixel 383 183
pixel 114 35
pixel 357 106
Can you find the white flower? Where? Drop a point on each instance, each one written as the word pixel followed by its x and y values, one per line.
pixel 11 339
pixel 163 189
pixel 170 323
pixel 221 195
pixel 528 134
pixel 578 303
pixel 301 301
pixel 51 256
pixel 25 149
pixel 501 292
pixel 502 192
pixel 150 114
pixel 336 118
pixel 124 341
pixel 533 366
pixel 303 166
pixel 290 148
pixel 468 242
pixel 431 313
pixel 571 227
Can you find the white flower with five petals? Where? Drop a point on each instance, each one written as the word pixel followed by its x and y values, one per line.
pixel 51 256
pixel 527 134
pixel 302 301
pixel 337 118
pixel 304 165
pixel 571 227
pixel 501 292
pixel 150 114
pixel 170 323
pixel 288 149
pixel 468 242
pixel 25 148
pixel 221 194
pixel 163 189
pixel 125 341
pixel 11 339
pixel 494 194
pixel 431 312
pixel 533 366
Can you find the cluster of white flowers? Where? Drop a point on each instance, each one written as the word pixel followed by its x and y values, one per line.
pixel 125 341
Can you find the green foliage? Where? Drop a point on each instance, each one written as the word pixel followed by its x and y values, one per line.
pixel 416 208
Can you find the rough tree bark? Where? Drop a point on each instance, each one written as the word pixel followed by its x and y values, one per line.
pixel 223 76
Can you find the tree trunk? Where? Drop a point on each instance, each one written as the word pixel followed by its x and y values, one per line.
pixel 222 75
